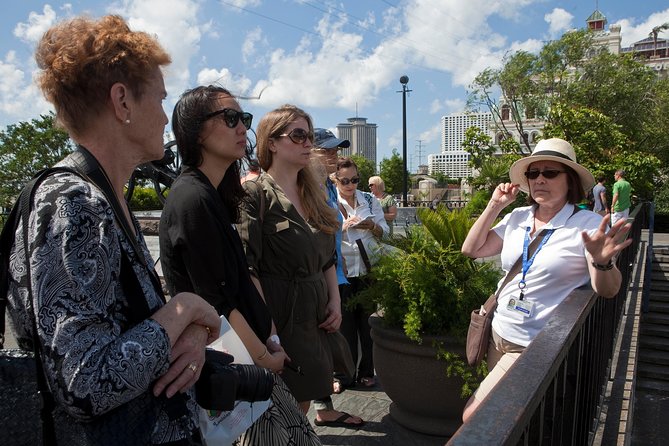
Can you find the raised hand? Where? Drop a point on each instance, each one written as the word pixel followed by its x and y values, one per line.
pixel 505 194
pixel 603 245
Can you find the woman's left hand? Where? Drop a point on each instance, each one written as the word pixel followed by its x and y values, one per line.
pixel 602 245
pixel 187 359
pixel 333 317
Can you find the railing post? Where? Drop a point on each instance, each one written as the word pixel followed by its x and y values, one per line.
pixel 648 276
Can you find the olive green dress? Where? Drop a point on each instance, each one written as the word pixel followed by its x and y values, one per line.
pixel 289 257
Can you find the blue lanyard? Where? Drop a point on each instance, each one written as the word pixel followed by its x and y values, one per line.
pixel 528 263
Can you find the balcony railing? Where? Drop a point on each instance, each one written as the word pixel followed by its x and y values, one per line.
pixel 553 393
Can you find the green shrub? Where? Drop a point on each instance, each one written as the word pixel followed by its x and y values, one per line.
pixel 430 287
pixel 145 199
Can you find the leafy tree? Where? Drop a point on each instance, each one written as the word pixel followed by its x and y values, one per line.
pixel 610 107
pixel 25 149
pixel 479 146
pixel 442 179
pixel 602 147
pixel 392 173
pixel 366 169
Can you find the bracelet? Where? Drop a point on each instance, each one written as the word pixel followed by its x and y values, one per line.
pixel 600 267
pixel 261 357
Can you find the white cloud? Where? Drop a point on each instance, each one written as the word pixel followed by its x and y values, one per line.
pixel 37 25
pixel 242 3
pixel 559 21
pixel 449 105
pixel 237 84
pixel 19 97
pixel 430 135
pixel 249 46
pixel 450 38
pixel 633 33
pixel 174 23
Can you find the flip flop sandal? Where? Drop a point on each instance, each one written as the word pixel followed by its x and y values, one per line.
pixel 340 422
pixel 368 381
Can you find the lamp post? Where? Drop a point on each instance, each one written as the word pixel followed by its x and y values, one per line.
pixel 404 80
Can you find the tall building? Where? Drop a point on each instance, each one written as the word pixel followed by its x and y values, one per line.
pixel 362 136
pixel 453 160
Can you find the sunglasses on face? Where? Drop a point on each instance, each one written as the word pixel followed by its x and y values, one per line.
pixel 547 173
pixel 346 181
pixel 298 135
pixel 232 117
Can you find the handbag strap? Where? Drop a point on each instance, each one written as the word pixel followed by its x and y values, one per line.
pixel 530 251
pixel 363 254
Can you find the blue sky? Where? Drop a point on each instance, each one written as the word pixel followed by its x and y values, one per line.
pixel 329 57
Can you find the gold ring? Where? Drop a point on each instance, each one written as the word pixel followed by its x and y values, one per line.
pixel 193 367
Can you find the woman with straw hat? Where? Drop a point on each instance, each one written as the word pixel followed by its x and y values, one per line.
pixel 575 249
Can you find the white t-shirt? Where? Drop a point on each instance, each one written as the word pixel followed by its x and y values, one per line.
pixel 559 267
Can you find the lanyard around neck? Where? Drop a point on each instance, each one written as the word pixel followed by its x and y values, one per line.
pixel 527 263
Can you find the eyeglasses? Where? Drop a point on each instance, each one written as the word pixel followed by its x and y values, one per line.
pixel 547 173
pixel 346 181
pixel 299 136
pixel 232 117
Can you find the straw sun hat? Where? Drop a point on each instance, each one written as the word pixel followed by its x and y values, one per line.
pixel 554 149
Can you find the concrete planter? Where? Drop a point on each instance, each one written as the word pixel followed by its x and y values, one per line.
pixel 424 398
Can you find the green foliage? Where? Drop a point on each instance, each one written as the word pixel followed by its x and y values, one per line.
pixel 479 146
pixel 25 149
pixel 456 366
pixel 145 199
pixel 366 169
pixel 662 196
pixel 602 147
pixel 443 180
pixel 392 173
pixel 612 108
pixel 478 202
pixel 430 287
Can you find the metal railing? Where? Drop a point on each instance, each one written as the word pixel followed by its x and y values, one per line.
pixel 553 393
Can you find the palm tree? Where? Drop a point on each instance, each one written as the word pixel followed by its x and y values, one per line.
pixel 657 30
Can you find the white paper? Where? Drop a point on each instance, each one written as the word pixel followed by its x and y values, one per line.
pixel 222 428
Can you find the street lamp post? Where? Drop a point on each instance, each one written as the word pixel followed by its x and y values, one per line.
pixel 404 80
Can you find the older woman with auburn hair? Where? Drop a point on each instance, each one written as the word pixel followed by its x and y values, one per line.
pixel 119 361
pixel 289 234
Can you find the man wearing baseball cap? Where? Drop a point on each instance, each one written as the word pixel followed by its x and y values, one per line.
pixel 326 149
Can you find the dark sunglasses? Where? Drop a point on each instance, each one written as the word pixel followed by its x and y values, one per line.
pixel 232 117
pixel 547 173
pixel 345 181
pixel 299 136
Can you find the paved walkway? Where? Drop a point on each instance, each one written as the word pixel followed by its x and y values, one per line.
pixel 379 429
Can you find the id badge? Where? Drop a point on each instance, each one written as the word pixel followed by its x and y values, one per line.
pixel 523 307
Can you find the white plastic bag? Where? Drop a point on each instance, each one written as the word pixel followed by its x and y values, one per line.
pixel 222 428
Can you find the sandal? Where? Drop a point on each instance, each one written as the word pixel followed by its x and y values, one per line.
pixel 340 422
pixel 368 381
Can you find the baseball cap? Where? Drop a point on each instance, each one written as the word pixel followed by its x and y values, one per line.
pixel 325 139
